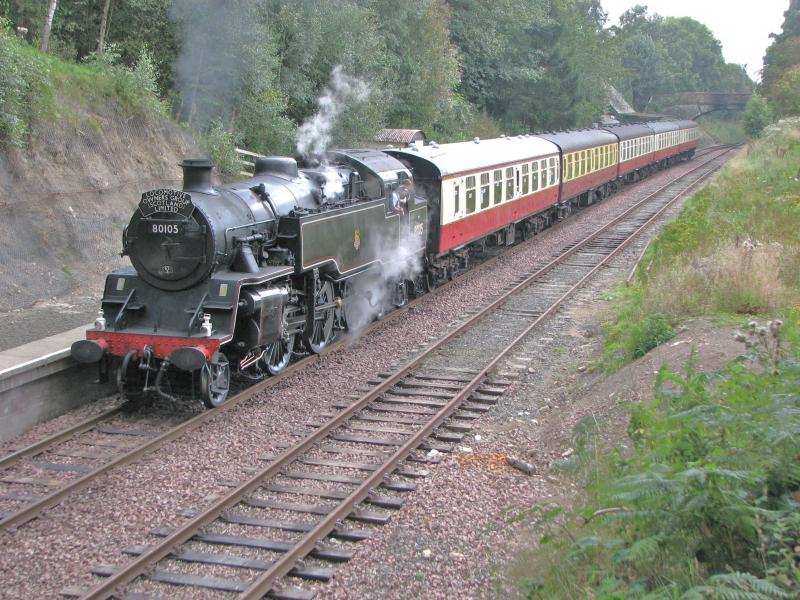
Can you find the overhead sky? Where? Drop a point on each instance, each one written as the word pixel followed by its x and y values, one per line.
pixel 743 27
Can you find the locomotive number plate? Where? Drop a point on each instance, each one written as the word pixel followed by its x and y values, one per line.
pixel 166 228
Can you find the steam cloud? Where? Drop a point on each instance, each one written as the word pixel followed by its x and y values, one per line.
pixel 314 135
pixel 210 69
pixel 370 295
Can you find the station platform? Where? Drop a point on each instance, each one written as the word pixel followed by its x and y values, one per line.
pixel 40 380
pixel 39 351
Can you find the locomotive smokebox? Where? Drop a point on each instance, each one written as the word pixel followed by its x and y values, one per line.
pixel 197 175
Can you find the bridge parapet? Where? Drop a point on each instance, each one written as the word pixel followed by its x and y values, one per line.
pixel 690 105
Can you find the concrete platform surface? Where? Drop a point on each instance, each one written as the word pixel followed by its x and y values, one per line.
pixel 41 380
pixel 40 351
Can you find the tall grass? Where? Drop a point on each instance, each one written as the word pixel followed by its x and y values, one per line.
pixel 735 249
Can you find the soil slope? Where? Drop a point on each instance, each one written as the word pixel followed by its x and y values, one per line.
pixel 64 201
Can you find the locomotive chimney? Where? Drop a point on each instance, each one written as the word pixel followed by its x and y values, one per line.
pixel 197 175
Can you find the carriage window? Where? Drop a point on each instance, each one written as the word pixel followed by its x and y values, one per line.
pixel 543 181
pixel 498 186
pixel 568 168
pixel 525 178
pixel 471 194
pixel 553 175
pixel 535 177
pixel 456 199
pixel 583 162
pixel 485 190
pixel 509 183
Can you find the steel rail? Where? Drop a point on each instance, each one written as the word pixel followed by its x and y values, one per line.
pixel 56 438
pixel 283 565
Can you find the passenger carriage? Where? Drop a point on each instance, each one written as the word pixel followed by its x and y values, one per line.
pixel 499 188
pixel 588 164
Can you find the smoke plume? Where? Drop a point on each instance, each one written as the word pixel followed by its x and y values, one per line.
pixel 314 135
pixel 216 54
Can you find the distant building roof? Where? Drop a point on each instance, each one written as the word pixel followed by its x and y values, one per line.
pixel 400 136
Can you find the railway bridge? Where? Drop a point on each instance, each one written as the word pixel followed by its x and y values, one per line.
pixel 690 105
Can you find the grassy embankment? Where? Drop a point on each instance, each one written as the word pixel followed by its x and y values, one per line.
pixel 38 90
pixel 704 502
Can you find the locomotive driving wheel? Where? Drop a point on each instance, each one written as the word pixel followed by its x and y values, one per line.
pixel 320 327
pixel 129 380
pixel 277 355
pixel 215 380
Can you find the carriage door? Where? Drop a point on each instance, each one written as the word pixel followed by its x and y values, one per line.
pixel 458 200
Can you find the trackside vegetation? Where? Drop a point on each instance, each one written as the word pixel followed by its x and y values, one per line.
pixel 702 501
pixel 733 251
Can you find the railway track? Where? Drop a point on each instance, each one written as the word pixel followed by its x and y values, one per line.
pixel 301 510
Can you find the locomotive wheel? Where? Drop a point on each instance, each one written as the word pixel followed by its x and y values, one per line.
pixel 215 381
pixel 318 335
pixel 128 377
pixel 277 355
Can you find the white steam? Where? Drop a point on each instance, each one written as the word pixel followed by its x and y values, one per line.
pixel 314 135
pixel 369 296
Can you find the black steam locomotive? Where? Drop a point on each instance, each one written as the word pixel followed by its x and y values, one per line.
pixel 234 279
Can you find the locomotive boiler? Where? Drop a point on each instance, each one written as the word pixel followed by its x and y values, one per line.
pixel 234 280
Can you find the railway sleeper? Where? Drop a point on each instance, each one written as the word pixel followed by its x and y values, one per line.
pixel 343 533
pixel 321 551
pixel 361 515
pixel 214 583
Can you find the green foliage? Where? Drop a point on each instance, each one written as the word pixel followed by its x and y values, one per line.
pixel 780 80
pixel 723 127
pixel 784 94
pixel 221 147
pixel 697 509
pixel 25 88
pixel 662 55
pixel 756 116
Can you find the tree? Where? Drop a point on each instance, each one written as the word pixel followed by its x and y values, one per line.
pixel 662 55
pixel 48 24
pixel 779 81
pixel 756 116
pixel 500 53
pixel 103 26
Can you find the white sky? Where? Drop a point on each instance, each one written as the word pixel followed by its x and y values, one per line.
pixel 742 26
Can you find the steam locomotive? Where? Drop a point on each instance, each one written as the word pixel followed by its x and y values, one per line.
pixel 235 279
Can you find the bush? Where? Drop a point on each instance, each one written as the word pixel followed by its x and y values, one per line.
pixel 756 116
pixel 221 147
pixel 784 95
pixel 706 504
